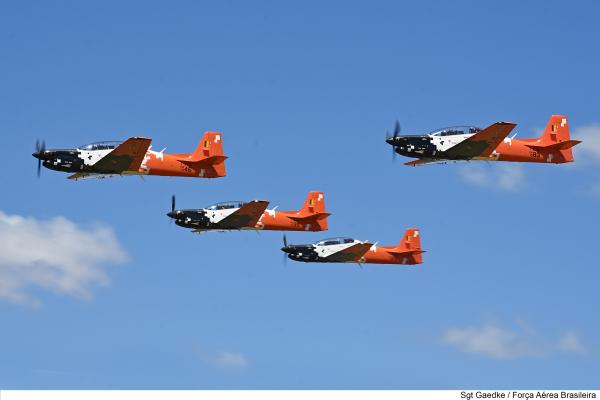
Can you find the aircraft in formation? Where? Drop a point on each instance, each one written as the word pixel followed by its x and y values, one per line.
pixel 253 215
pixel 465 143
pixel 348 250
pixel 134 157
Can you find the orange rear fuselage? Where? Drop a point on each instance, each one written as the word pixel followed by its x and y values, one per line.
pixel 312 217
pixel 516 150
pixel 553 146
pixel 207 161
pixel 172 165
pixel 381 255
pixel 273 220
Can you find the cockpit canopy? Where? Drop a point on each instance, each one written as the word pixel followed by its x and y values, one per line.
pixel 332 241
pixel 455 130
pixel 226 205
pixel 108 145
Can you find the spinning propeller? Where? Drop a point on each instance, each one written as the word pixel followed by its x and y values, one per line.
pixel 397 130
pixel 172 213
pixel 39 151
pixel 285 255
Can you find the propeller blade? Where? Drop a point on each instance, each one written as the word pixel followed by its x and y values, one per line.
pixel 397 129
pixel 172 203
pixel 39 151
pixel 285 255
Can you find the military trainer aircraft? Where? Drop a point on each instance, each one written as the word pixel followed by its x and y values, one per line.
pixel 253 215
pixel 348 250
pixel 489 144
pixel 134 157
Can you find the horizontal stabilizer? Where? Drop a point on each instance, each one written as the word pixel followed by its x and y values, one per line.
pixel 555 146
pixel 310 217
pixel 207 160
pixel 405 252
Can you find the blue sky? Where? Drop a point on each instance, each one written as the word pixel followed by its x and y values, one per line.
pixel 303 93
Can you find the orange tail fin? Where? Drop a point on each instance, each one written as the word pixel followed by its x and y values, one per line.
pixel 313 212
pixel 410 247
pixel 556 138
pixel 210 154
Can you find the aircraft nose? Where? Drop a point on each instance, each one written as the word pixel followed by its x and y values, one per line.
pixel 287 249
pixel 398 140
pixel 171 214
pixel 42 154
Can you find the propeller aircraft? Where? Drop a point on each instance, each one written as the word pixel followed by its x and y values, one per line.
pixel 348 250
pixel 253 215
pixel 490 144
pixel 134 157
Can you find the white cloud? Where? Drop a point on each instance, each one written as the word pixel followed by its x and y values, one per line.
pixel 506 177
pixel 54 254
pixel 230 360
pixel 225 359
pixel 498 342
pixel 570 342
pixel 589 149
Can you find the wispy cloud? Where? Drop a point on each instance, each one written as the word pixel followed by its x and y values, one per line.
pixel 495 341
pixel 225 359
pixel 228 360
pixel 55 254
pixel 570 343
pixel 588 152
pixel 505 177
pixel 589 149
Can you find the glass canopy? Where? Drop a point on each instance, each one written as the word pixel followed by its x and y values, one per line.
pixel 455 130
pixel 337 240
pixel 226 205
pixel 108 145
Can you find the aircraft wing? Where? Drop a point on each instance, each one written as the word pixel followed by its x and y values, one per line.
pixel 424 161
pixel 352 253
pixel 128 156
pixel 89 175
pixel 246 216
pixel 430 161
pixel 483 143
pixel 93 175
